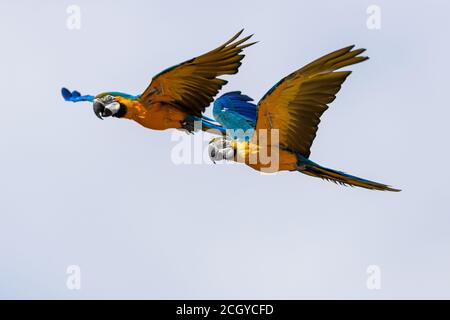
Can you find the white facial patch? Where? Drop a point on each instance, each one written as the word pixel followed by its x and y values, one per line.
pixel 114 107
pixel 221 150
pixel 227 154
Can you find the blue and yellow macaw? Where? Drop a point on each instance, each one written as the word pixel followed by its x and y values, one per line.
pixel 177 96
pixel 291 109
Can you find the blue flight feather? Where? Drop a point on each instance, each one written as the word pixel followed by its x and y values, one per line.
pixel 75 96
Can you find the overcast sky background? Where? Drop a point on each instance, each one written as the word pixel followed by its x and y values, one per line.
pixel 106 196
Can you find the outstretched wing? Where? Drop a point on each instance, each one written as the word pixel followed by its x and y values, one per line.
pixel 296 103
pixel 191 85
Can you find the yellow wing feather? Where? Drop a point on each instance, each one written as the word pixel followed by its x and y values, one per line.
pixel 191 85
pixel 295 104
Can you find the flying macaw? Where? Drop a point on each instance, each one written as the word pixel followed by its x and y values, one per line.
pixel 294 107
pixel 177 96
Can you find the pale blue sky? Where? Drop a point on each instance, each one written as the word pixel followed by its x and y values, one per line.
pixel 107 197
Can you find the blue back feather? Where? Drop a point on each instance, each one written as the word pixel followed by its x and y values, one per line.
pixel 233 110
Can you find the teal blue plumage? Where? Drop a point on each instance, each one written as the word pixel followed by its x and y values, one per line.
pixel 234 111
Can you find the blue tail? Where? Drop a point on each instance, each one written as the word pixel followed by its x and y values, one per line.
pixel 313 169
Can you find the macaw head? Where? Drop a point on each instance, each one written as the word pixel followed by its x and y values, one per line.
pixel 221 149
pixel 106 105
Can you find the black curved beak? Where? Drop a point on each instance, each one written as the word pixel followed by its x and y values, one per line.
pixel 212 154
pixel 99 109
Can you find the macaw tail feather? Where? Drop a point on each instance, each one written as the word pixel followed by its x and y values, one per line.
pixel 315 170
